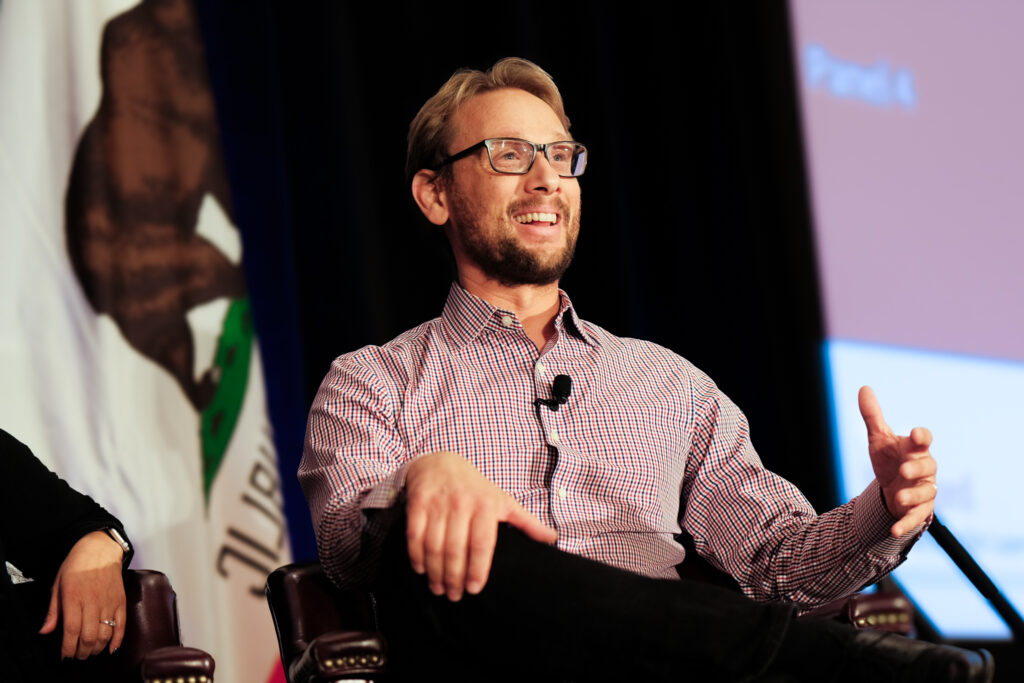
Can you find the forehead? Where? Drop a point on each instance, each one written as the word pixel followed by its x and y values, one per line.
pixel 506 113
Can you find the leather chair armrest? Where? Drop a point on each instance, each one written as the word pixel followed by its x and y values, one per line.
pixel 882 611
pixel 176 663
pixel 340 655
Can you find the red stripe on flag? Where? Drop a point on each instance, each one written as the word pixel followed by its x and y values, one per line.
pixel 277 675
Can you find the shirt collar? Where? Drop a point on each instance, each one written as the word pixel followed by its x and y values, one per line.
pixel 466 316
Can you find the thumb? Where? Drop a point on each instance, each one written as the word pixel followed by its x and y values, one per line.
pixel 50 622
pixel 872 413
pixel 531 526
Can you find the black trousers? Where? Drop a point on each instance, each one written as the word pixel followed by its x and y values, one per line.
pixel 549 615
pixel 25 655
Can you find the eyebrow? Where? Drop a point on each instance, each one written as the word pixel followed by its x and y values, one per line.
pixel 557 137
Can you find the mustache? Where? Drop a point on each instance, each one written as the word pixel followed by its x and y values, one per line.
pixel 531 205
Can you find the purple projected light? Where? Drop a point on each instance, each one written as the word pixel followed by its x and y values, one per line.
pixel 919 209
pixel 912 117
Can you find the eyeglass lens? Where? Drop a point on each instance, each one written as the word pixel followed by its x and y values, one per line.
pixel 509 155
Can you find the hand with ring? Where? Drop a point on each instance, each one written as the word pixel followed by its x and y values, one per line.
pixel 88 597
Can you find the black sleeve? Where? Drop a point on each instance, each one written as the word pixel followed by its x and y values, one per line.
pixel 41 516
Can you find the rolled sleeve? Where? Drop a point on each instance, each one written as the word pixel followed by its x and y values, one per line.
pixel 353 461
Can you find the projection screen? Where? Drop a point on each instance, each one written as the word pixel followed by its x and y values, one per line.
pixel 912 116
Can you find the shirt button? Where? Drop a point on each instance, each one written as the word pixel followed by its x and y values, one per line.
pixel 540 368
pixel 554 435
pixel 506 320
pixel 562 493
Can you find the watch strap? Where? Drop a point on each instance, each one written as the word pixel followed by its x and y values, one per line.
pixel 119 538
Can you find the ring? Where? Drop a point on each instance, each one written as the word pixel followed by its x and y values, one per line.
pixel 109 622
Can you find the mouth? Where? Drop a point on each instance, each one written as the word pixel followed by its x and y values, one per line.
pixel 536 218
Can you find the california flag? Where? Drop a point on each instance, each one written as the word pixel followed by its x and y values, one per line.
pixel 128 360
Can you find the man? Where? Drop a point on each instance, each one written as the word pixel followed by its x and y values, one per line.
pixel 444 445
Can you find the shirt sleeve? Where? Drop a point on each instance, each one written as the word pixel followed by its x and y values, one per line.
pixel 42 516
pixel 760 529
pixel 353 469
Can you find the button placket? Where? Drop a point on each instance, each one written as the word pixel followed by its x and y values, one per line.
pixel 543 375
pixel 552 423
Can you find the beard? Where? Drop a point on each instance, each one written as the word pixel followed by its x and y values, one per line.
pixel 493 245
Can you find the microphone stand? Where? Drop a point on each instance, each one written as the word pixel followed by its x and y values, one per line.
pixel 948 542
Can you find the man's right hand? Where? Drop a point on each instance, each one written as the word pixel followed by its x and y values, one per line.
pixel 453 513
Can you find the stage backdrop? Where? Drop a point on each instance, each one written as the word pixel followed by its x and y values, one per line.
pixel 128 359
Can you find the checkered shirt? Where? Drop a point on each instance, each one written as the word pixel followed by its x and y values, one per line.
pixel 646 445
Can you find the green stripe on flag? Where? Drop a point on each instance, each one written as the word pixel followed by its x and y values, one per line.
pixel 234 353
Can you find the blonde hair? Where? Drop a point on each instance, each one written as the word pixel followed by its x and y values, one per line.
pixel 431 132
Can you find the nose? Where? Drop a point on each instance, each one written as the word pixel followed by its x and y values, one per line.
pixel 542 178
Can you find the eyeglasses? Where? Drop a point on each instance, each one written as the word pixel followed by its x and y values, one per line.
pixel 516 156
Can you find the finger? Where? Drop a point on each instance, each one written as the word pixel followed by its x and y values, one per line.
pixel 919 468
pixel 89 639
pixel 921 437
pixel 530 525
pixel 919 441
pixel 912 496
pixel 72 628
pixel 455 550
pixel 433 552
pixel 415 527
pixel 910 521
pixel 483 536
pixel 120 616
pixel 104 634
pixel 50 622
pixel 872 412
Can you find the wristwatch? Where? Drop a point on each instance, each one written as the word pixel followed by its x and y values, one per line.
pixel 120 540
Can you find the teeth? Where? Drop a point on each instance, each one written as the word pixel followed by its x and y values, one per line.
pixel 537 218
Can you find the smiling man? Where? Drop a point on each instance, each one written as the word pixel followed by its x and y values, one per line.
pixel 513 479
pixel 505 229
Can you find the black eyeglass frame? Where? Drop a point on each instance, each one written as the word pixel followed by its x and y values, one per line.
pixel 543 147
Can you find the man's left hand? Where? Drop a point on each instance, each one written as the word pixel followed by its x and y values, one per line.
pixel 903 467
pixel 88 592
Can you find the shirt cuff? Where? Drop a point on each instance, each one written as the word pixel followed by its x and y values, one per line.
pixel 872 522
pixel 384 494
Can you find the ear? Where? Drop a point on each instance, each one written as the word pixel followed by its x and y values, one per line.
pixel 430 196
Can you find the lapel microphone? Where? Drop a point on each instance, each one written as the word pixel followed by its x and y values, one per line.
pixel 561 388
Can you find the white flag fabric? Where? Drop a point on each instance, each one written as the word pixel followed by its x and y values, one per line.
pixel 128 361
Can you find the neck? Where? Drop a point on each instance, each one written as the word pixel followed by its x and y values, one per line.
pixel 535 305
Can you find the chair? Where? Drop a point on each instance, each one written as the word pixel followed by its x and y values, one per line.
pixel 151 651
pixel 325 633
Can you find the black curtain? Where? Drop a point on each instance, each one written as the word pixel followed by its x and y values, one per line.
pixel 696 226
